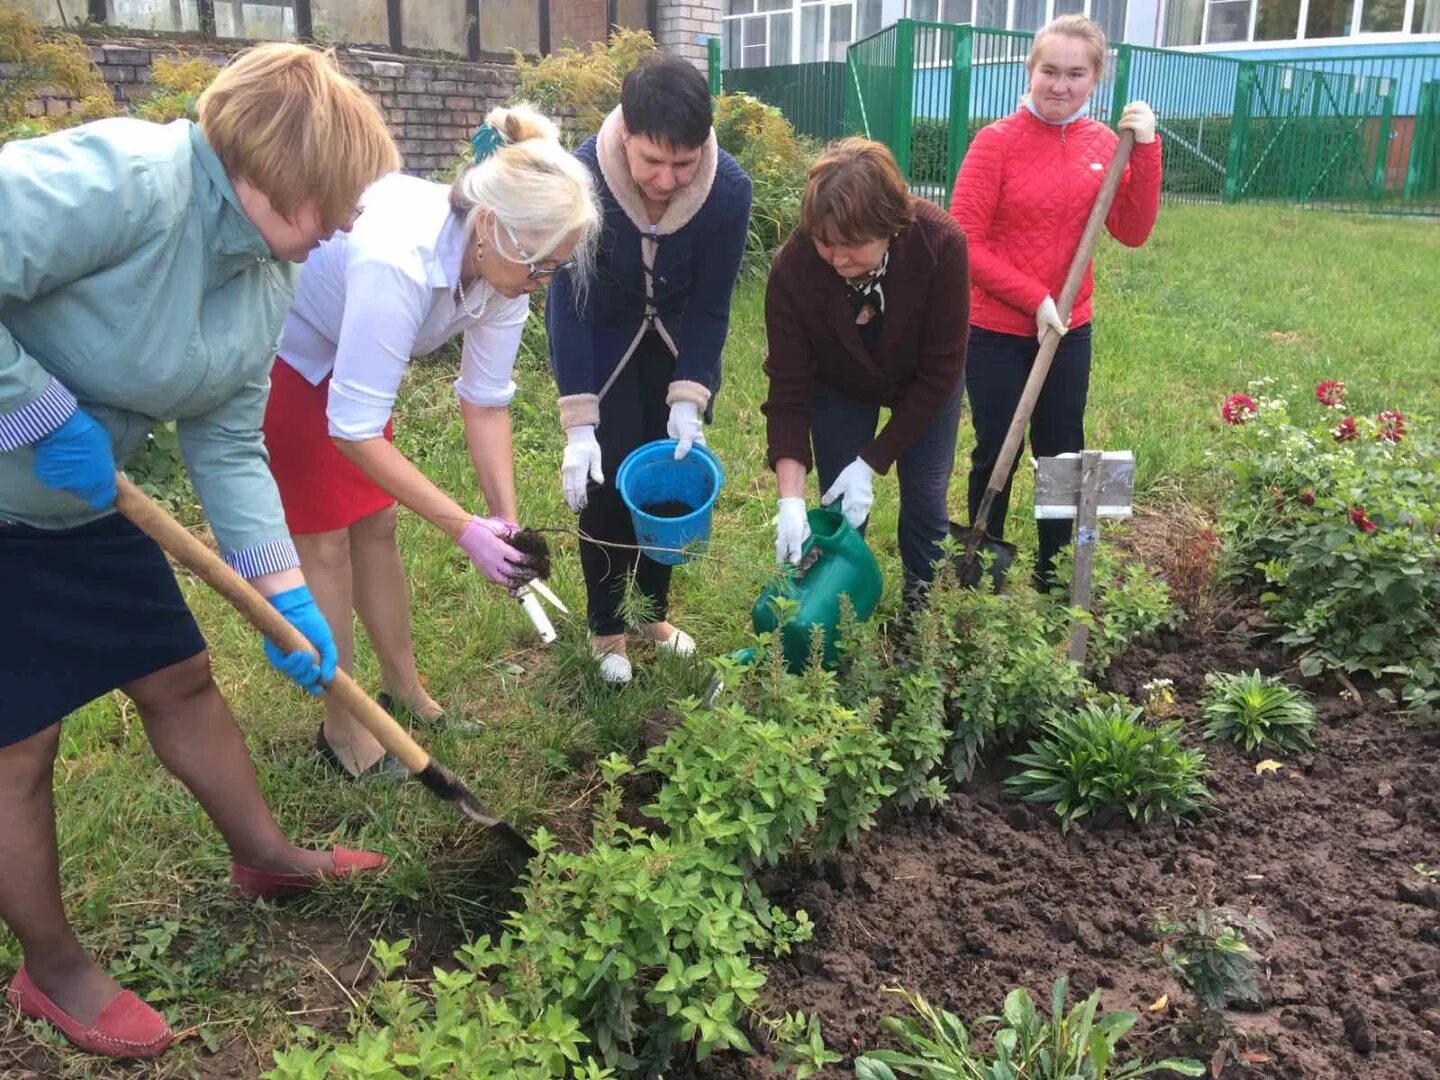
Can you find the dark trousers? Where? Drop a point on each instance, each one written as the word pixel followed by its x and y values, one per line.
pixel 996 367
pixel 840 427
pixel 632 413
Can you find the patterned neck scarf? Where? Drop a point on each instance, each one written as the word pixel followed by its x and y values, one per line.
pixel 870 289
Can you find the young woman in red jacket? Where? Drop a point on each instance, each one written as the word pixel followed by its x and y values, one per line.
pixel 1022 196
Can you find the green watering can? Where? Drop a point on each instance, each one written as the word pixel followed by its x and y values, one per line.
pixel 835 562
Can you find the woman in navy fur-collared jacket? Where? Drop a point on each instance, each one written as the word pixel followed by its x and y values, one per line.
pixel 636 354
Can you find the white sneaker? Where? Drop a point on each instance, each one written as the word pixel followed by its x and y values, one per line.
pixel 615 668
pixel 679 643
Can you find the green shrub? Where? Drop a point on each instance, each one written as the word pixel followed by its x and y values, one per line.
pixel 742 785
pixel 38 59
pixel 582 83
pixel 1025 1043
pixel 1103 757
pixel 784 764
pixel 648 942
pixel 1252 710
pixel 1006 674
pixel 1336 518
pixel 761 140
pixel 179 81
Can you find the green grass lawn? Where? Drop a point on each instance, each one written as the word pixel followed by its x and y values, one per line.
pixel 1220 296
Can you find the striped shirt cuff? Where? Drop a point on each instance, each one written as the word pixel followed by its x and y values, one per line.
pixel 31 423
pixel 269 558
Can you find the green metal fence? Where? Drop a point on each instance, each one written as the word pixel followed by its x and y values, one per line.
pixel 812 96
pixel 1359 133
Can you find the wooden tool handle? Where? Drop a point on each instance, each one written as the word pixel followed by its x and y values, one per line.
pixel 177 542
pixel 1064 303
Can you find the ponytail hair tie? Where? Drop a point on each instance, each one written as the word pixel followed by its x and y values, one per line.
pixel 485 142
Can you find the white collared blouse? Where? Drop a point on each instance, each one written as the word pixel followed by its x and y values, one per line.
pixel 371 299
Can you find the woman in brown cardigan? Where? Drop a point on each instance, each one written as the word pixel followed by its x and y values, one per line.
pixel 867 306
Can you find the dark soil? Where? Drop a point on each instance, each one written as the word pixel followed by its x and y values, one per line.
pixel 966 903
pixel 670 508
pixel 536 551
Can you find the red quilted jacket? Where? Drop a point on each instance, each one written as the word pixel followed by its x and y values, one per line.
pixel 1022 197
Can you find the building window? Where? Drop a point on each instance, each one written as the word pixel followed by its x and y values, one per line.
pixel 1228 20
pixel 1220 22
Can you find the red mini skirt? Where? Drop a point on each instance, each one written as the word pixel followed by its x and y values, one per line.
pixel 320 488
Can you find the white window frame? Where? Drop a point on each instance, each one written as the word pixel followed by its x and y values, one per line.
pixel 1357 11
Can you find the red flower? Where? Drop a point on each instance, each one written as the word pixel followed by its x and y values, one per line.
pixel 1346 431
pixel 1360 521
pixel 1238 408
pixel 1392 426
pixel 1331 393
pixel 1307 497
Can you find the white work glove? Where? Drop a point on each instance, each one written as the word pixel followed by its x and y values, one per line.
pixel 1139 118
pixel 792 529
pixel 580 465
pixel 684 427
pixel 1047 317
pixel 853 488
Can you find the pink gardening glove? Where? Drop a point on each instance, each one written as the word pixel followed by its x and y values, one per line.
pixel 484 541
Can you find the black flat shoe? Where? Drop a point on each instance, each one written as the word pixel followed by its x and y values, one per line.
pixel 388 767
pixel 444 722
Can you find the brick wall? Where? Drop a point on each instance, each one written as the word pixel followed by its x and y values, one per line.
pixel 681 21
pixel 432 106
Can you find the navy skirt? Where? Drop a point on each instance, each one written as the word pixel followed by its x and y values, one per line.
pixel 90 609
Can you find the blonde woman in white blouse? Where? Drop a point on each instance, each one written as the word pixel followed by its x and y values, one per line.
pixel 422 264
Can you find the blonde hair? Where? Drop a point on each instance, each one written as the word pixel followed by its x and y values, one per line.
pixel 1078 26
pixel 534 187
pixel 286 119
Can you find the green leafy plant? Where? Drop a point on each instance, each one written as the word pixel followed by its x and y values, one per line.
pixel 1025 1045
pixel 802 1052
pixel 1336 518
pixel 1130 603
pixel 1253 710
pixel 1103 757
pixel 1205 944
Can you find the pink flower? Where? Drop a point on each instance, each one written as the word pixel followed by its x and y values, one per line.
pixel 1346 431
pixel 1392 426
pixel 1331 393
pixel 1360 521
pixel 1238 408
pixel 1307 497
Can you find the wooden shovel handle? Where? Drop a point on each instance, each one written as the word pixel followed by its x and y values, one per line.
pixel 177 542
pixel 1064 303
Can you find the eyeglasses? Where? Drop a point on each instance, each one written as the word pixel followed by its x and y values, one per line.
pixel 537 273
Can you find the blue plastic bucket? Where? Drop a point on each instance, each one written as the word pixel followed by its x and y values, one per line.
pixel 649 477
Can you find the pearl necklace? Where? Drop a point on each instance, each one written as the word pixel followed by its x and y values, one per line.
pixel 465 303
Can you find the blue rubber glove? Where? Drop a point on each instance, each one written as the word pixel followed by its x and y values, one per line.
pixel 301 612
pixel 77 457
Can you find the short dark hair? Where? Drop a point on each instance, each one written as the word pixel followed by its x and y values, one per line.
pixel 667 99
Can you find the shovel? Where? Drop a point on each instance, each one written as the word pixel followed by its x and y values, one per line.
pixel 968 570
pixel 185 549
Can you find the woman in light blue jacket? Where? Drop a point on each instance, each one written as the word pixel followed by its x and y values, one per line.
pixel 145 273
